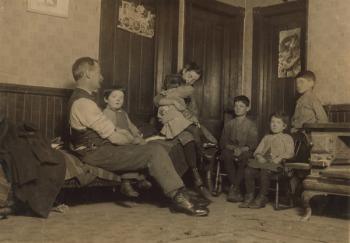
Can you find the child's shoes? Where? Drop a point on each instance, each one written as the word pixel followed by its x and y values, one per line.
pixel 248 200
pixel 128 190
pixel 259 202
pixel 144 185
pixel 234 195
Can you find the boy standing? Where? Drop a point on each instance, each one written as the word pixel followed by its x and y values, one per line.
pixel 238 141
pixel 308 108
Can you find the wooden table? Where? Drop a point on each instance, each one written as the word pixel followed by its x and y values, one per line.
pixel 330 162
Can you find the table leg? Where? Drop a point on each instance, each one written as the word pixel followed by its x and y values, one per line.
pixel 306 197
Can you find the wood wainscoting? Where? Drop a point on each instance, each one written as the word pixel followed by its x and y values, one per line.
pixel 338 113
pixel 47 107
pixel 44 107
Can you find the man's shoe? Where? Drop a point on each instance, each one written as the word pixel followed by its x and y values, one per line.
pixel 196 198
pixel 248 200
pixel 183 205
pixel 259 202
pixel 234 195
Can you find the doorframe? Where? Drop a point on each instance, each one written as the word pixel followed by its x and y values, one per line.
pixel 260 75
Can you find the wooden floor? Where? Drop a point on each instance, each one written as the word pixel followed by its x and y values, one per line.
pixel 111 222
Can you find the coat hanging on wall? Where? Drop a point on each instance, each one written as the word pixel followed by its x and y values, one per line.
pixel 136 19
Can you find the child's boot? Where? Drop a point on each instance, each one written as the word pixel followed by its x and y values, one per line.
pixel 259 202
pixel 248 200
pixel 234 194
pixel 199 184
pixel 127 189
pixel 144 184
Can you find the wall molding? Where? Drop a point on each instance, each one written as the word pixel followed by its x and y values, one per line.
pixel 35 90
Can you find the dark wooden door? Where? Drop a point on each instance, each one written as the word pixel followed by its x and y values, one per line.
pixel 270 92
pixel 213 39
pixel 136 62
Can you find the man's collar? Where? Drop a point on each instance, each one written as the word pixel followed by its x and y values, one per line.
pixel 85 89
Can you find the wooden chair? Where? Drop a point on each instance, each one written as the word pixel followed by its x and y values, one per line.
pixel 293 171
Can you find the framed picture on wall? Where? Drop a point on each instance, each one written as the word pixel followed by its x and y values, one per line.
pixel 57 8
pixel 289 64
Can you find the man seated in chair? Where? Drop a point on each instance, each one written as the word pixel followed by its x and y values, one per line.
pixel 96 140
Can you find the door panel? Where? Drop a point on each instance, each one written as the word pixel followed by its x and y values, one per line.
pixel 135 62
pixel 270 93
pixel 213 39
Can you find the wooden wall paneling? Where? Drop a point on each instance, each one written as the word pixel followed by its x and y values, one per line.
pixel 127 60
pixel 62 128
pixel 47 108
pixel 166 40
pixel 257 76
pixel 2 104
pixel 338 113
pixel 11 106
pixel 50 122
pixel 135 72
pixel 212 92
pixel 147 80
pixel 197 50
pixel 36 110
pixel 27 107
pixel 234 78
pixel 44 107
pixel 58 116
pixel 109 9
pixel 43 113
pixel 20 107
pixel 213 37
pixel 227 75
pixel 270 93
pixel 120 51
pixel 122 59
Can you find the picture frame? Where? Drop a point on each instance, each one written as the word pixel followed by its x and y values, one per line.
pixel 58 8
